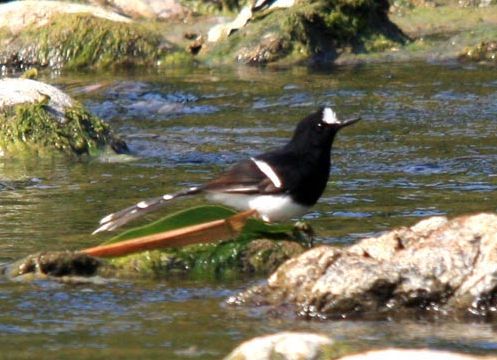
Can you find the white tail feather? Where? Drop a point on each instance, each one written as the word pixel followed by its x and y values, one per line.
pixel 119 218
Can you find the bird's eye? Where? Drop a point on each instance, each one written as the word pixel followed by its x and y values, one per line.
pixel 320 126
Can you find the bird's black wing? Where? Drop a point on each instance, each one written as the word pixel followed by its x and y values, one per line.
pixel 244 178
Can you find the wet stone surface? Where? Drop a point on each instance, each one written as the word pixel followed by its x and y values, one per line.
pixel 441 266
pixel 53 264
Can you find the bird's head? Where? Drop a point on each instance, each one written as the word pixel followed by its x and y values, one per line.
pixel 319 129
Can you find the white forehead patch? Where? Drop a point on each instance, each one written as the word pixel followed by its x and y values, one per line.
pixel 329 116
pixel 268 171
pixel 142 205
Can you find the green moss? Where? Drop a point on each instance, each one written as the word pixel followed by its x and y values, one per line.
pixel 31 73
pixel 82 41
pixel 176 59
pixel 444 20
pixel 338 350
pixel 32 128
pixel 378 43
pixel 211 261
pixel 214 6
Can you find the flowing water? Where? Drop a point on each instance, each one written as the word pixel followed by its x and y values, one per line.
pixel 426 146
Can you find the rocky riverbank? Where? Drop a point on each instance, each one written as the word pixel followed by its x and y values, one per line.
pixel 55 34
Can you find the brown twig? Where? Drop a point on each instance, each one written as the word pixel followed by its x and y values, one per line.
pixel 194 234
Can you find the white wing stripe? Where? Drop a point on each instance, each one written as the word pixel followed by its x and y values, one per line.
pixel 268 171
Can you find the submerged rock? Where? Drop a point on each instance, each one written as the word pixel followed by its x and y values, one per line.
pixel 37 118
pixel 284 346
pixel 438 266
pixel 59 34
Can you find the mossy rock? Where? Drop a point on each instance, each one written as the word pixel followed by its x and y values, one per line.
pixel 311 29
pixel 36 118
pixel 231 259
pixel 259 249
pixel 76 41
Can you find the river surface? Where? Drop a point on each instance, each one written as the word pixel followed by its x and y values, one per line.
pixel 426 146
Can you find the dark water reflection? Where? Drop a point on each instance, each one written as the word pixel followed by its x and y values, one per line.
pixel 426 146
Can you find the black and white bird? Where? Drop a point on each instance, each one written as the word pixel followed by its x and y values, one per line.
pixel 280 184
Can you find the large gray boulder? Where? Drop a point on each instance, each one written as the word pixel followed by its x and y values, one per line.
pixel 447 267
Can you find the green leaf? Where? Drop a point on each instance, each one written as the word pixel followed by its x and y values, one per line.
pixel 255 228
pixel 180 219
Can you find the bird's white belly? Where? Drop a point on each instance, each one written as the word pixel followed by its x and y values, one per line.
pixel 271 208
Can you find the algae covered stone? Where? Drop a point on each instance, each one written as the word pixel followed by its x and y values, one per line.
pixel 229 259
pixel 258 249
pixel 316 30
pixel 79 38
pixel 39 118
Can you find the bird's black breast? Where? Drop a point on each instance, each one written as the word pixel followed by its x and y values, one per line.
pixel 304 176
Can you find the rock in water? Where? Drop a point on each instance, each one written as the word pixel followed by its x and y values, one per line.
pixel 285 345
pixel 438 266
pixel 308 346
pixel 39 118
pixel 412 354
pixel 21 91
pixel 54 264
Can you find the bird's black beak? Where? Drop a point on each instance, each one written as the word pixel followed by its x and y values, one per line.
pixel 348 122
